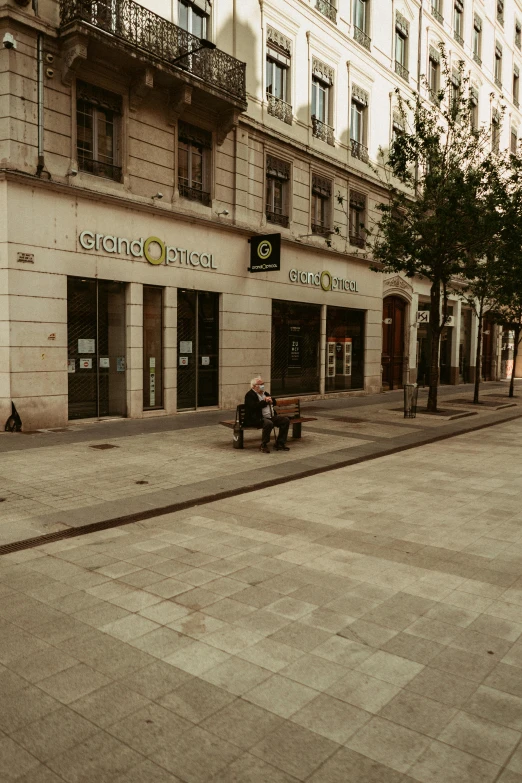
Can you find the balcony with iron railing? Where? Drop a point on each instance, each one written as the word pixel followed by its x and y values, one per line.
pixel 99 168
pixel 321 229
pixel 437 14
pixel 125 27
pixel 359 150
pixel 477 58
pixel 322 131
pixel 402 71
pixel 327 9
pixel 459 39
pixel 516 103
pixel 357 240
pixel 498 82
pixel 194 194
pixel 277 107
pixel 277 219
pixel 361 37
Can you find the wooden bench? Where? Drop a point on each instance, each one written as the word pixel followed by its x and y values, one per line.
pixel 290 408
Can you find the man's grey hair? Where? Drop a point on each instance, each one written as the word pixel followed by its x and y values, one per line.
pixel 254 381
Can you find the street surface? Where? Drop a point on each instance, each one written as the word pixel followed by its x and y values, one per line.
pixel 362 625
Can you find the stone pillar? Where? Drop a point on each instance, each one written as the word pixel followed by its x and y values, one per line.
pixel 473 347
pixel 412 354
pixel 322 351
pixel 134 350
pixel 170 348
pixel 455 342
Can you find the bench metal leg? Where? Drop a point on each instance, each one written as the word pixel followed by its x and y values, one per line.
pixel 296 430
pixel 237 438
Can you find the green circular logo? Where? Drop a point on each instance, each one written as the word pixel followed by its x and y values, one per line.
pixel 264 249
pixel 326 286
pixel 148 242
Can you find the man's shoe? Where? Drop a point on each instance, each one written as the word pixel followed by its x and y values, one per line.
pixel 265 449
pixel 281 447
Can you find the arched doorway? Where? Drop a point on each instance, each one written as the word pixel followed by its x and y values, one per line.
pixel 394 318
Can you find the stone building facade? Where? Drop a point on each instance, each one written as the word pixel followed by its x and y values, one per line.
pixel 143 147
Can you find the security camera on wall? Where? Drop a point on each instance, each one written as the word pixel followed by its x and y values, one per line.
pixel 9 41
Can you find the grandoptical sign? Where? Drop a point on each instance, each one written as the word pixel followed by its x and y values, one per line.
pixel 324 280
pixel 265 253
pixel 153 249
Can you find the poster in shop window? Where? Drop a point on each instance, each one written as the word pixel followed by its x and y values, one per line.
pixel 295 350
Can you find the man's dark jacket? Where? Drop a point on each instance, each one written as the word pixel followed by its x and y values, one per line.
pixel 254 408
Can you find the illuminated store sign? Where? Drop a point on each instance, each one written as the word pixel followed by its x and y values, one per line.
pixel 153 249
pixel 324 280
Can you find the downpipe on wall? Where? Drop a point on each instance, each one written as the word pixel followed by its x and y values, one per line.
pixel 40 168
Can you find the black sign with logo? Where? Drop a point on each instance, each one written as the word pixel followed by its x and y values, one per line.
pixel 265 253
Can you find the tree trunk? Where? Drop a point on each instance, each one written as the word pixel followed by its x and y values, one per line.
pixel 478 360
pixel 435 330
pixel 515 355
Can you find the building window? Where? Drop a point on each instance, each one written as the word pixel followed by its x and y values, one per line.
pixel 277 178
pixel 498 65
pixel 361 23
pixel 328 9
pixel 458 13
pixel 321 198
pixel 358 123
pixel 436 10
pixel 513 141
pixel 194 153
pixel 434 74
pixel 474 108
pixel 278 76
pixel 402 28
pixel 477 39
pixel 495 131
pixel 455 92
pixel 500 11
pixel 518 34
pixel 516 85
pixel 397 125
pixel 192 17
pixel 98 119
pixel 357 219
pixel 322 81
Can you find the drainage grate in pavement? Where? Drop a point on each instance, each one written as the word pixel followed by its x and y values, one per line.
pixel 350 419
pixel 103 446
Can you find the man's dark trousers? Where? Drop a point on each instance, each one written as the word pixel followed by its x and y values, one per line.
pixel 282 422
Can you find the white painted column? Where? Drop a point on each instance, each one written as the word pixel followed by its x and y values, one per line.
pixel 455 341
pixel 134 349
pixel 412 350
pixel 170 348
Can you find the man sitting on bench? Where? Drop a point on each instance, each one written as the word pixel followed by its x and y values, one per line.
pixel 259 413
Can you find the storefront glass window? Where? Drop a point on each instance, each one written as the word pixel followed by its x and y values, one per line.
pixel 296 330
pixel 344 349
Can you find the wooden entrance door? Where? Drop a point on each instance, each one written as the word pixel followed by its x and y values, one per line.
pixel 394 316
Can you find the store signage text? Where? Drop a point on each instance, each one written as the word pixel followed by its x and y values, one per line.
pixel 153 249
pixel 324 280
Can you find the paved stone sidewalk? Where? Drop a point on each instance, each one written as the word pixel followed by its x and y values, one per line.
pixel 51 481
pixel 359 626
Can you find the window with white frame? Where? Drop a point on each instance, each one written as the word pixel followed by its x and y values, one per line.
pixel 357 219
pixel 361 22
pixel 434 74
pixel 278 75
pixel 277 180
pixel 498 65
pixel 474 113
pixel 402 31
pixel 477 39
pixel 516 86
pixel 495 131
pixel 322 83
pixel 321 204
pixel 193 16
pixel 436 10
pixel 518 34
pixel 458 21
pixel 194 156
pixel 513 143
pixel 500 11
pixel 98 129
pixel 455 91
pixel 397 125
pixel 358 123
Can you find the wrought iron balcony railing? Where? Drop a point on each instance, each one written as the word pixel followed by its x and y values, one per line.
pixel 477 58
pixel 434 96
pixel 194 194
pixel 99 168
pixel 163 40
pixel 402 71
pixel 437 14
pixel 498 82
pixel 327 9
pixel 357 241
pixel 361 37
pixel 279 108
pixel 500 18
pixel 322 131
pixel 318 228
pixel 516 103
pixel 275 217
pixel 359 150
pixel 459 39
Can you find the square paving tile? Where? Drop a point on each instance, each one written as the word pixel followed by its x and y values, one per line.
pixel 242 723
pixel 389 743
pixel 295 750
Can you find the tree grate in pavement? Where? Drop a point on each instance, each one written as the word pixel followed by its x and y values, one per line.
pixel 140 516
